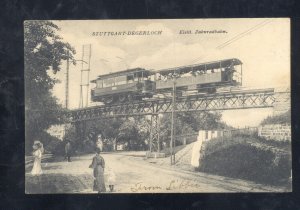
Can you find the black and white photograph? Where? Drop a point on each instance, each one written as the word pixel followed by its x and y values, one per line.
pixel 157 106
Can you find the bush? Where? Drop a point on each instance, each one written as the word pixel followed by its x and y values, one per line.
pixel 51 144
pixel 284 118
pixel 245 161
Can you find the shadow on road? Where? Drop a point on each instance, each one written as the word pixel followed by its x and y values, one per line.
pixel 57 183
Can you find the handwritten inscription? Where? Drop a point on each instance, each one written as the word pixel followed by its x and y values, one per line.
pixel 182 185
pixel 172 185
pixel 139 187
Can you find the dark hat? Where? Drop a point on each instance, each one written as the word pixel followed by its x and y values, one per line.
pixel 98 150
pixel 37 143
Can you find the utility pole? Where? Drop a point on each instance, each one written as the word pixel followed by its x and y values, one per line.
pixel 85 72
pixel 88 75
pixel 66 91
pixel 172 145
pixel 158 135
pixel 67 82
pixel 81 75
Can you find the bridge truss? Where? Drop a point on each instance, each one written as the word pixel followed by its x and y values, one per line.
pixel 245 99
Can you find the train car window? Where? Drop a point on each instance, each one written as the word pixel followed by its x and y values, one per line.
pixel 109 82
pixel 120 80
pixel 137 77
pixel 130 79
pixel 99 83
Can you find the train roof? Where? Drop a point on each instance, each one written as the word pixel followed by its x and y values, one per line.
pixel 123 72
pixel 202 66
pixel 182 69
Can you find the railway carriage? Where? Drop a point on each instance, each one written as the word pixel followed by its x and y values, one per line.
pixel 139 83
pixel 205 77
pixel 122 86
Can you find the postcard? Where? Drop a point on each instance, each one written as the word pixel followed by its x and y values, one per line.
pixel 157 106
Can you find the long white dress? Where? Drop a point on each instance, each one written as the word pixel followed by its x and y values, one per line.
pixel 111 177
pixel 37 169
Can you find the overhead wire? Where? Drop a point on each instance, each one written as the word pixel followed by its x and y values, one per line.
pixel 237 37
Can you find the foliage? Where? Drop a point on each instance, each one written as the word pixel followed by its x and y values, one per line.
pixel 132 131
pixel 43 52
pixel 52 144
pixel 135 131
pixel 247 157
pixel 188 122
pixel 284 118
pixel 244 161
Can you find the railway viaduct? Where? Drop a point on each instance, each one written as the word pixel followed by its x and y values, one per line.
pixel 279 100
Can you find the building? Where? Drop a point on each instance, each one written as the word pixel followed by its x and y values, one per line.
pixel 206 135
pixel 58 131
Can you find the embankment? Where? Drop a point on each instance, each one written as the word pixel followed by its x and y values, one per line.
pixel 248 157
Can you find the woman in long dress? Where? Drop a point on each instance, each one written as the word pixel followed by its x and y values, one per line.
pixel 98 165
pixel 99 143
pixel 37 153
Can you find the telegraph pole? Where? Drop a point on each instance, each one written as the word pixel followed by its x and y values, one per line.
pixel 172 145
pixel 85 72
pixel 67 82
pixel 88 75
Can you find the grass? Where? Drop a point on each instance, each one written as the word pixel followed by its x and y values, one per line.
pixel 167 151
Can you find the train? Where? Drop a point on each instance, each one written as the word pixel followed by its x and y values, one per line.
pixel 139 83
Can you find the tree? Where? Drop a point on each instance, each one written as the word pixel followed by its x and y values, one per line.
pixel 44 51
pixel 283 118
pixel 133 131
pixel 188 122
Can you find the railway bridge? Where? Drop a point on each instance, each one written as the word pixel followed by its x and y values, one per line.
pixel 230 100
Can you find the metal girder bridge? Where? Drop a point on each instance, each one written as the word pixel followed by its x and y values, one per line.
pixel 241 99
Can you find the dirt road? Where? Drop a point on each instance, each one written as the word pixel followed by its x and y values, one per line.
pixel 133 175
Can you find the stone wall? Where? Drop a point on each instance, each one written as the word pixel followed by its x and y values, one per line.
pixel 282 100
pixel 276 132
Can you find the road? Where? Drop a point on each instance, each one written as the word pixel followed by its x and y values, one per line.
pixel 133 175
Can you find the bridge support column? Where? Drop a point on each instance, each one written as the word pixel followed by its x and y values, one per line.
pixel 154 134
pixel 282 101
pixel 80 130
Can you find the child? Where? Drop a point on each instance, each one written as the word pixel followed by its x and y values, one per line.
pixel 111 179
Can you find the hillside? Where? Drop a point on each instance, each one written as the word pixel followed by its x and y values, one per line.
pixel 248 157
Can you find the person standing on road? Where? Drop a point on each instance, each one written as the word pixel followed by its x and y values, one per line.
pixel 99 143
pixel 98 165
pixel 68 151
pixel 37 153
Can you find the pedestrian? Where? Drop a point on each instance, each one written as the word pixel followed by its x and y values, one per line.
pixel 37 153
pixel 111 179
pixel 98 165
pixel 68 151
pixel 99 143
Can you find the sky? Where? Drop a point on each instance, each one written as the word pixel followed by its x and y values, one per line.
pixel 263 45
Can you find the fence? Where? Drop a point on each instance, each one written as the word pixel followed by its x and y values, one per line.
pixel 206 135
pixel 186 138
pixel 277 132
pixel 241 131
